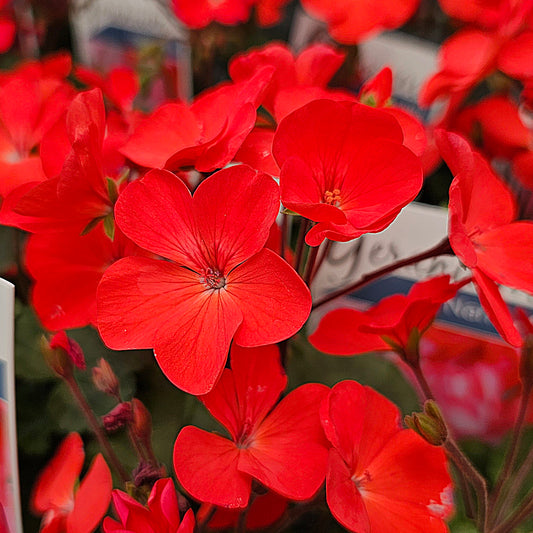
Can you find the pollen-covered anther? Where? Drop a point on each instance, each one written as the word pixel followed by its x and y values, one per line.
pixel 213 279
pixel 333 197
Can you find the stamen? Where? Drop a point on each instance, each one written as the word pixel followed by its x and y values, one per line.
pixel 333 197
pixel 213 279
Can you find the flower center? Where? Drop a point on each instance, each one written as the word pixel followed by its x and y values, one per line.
pixel 213 279
pixel 361 480
pixel 333 197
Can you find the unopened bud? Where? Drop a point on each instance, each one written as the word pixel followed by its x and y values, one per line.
pixel 118 417
pixel 142 422
pixel 429 424
pixel 147 474
pixel 60 341
pixel 105 379
pixel 56 358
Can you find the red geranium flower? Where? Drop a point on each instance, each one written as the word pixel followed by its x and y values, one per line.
pixel 343 165
pixel 161 515
pixel 176 135
pixel 484 233
pixel 220 284
pixel 380 474
pixel 504 42
pixel 283 447
pixel 66 509
pixel 475 381
pixel 67 268
pixel 83 193
pixel 387 325
pixel 351 21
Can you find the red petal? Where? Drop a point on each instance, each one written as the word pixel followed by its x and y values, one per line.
pixel 7 34
pixel 92 498
pixel 501 255
pixel 246 393
pixel 496 309
pixel 274 301
pixel 206 466
pixel 55 485
pixel 351 424
pixel 288 452
pixel 515 57
pixel 408 485
pixel 317 64
pixel 338 334
pixel 144 303
pixel 157 137
pixel 156 213
pixel 234 210
pixel 344 500
pixel 256 151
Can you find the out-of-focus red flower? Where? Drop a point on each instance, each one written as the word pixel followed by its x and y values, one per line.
pixel 388 325
pixel 220 284
pixel 283 447
pixel 484 233
pixel 8 27
pixel 380 474
pixel 495 126
pixel 65 508
pixel 475 382
pixel 67 268
pixel 32 99
pixel 120 86
pixel 344 166
pixel 265 510
pixel 504 42
pixel 196 14
pixel 351 21
pixel 176 135
pixel 199 13
pixel 161 514
pixel 297 79
pixel 85 190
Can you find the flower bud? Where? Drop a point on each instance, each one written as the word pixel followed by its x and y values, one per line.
pixel 105 379
pixel 142 423
pixel 147 474
pixel 73 350
pixel 429 424
pixel 59 356
pixel 118 417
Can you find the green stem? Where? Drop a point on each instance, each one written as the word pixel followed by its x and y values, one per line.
pixel 310 264
pixel 442 248
pixel 304 224
pixel 321 259
pixel 510 460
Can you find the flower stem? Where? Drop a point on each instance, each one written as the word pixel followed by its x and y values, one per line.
pixel 442 248
pixel 510 459
pixel 461 461
pixel 310 265
pixel 96 428
pixel 321 259
pixel 304 224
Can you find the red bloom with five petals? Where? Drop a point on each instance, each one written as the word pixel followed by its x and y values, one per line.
pixel 220 284
pixel 344 166
pixel 379 474
pixel 283 448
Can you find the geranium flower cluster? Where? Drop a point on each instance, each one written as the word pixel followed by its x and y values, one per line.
pixel 196 231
